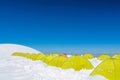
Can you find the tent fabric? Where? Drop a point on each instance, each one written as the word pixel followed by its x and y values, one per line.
pixel 67 65
pixel 57 61
pixel 48 58
pixel 109 68
pixel 77 62
pixel 104 57
pixel 32 56
pixel 40 56
pixel 88 56
pixel 117 56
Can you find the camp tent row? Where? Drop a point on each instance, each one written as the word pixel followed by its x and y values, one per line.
pixel 76 62
pixel 106 56
pixel 109 68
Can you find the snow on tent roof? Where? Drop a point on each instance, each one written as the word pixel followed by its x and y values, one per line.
pixel 77 62
pixel 88 56
pixel 104 57
pixel 109 68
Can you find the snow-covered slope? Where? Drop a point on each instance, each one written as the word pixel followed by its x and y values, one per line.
pixel 18 68
pixel 8 49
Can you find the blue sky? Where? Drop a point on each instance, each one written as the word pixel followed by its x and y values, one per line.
pixel 61 25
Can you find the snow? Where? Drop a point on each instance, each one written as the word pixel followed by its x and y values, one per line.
pixel 95 62
pixel 18 68
pixel 8 49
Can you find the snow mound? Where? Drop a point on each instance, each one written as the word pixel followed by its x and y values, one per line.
pixel 8 49
pixel 19 68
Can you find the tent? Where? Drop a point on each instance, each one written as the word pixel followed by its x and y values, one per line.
pixel 117 56
pixel 103 57
pixel 77 62
pixel 88 56
pixel 40 56
pixel 18 54
pixel 55 54
pixel 49 57
pixel 33 56
pixel 57 61
pixel 109 68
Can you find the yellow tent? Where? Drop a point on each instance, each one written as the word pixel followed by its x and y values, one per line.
pixel 18 54
pixel 55 54
pixel 77 62
pixel 88 56
pixel 57 61
pixel 31 56
pixel 48 58
pixel 104 57
pixel 117 56
pixel 21 54
pixel 40 56
pixel 26 55
pixel 109 68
